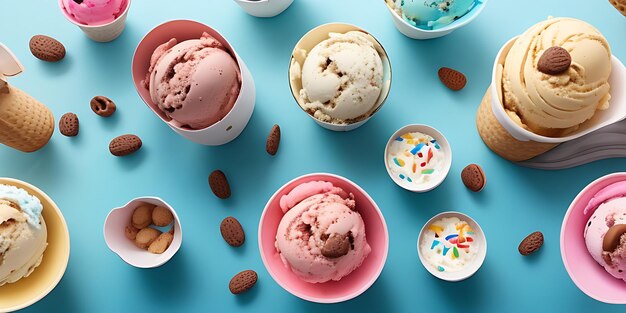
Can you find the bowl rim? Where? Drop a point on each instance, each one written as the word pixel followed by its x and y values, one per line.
pixel 353 295
pixel 566 219
pixel 382 102
pixel 480 257
pixel 176 244
pixel 431 131
pixel 64 230
pixel 448 28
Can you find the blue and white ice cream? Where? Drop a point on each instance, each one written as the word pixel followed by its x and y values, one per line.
pixel 432 14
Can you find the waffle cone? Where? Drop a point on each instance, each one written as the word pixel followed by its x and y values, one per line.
pixel 620 5
pixel 25 123
pixel 500 141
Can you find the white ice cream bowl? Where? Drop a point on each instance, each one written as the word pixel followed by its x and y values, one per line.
pixel 471 268
pixel 417 33
pixel 615 113
pixel 225 130
pixel 445 147
pixel 308 42
pixel 264 8
pixel 114 235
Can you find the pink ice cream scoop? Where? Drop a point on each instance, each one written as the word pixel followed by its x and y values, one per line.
pixel 321 237
pixel 94 12
pixel 195 83
pixel 605 233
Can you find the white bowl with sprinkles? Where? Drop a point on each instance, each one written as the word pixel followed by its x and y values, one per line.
pixel 452 246
pixel 418 157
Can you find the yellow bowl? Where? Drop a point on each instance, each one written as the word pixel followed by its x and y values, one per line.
pixel 33 288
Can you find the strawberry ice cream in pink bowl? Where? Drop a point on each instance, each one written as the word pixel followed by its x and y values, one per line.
pixel 593 239
pixel 194 81
pixel 323 239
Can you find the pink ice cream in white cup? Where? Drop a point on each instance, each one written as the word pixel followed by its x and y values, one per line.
pixel 192 78
pixel 101 20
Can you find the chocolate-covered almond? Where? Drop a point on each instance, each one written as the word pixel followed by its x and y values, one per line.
pixel 336 246
pixel 613 237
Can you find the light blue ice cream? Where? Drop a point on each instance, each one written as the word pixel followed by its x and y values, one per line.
pixel 30 205
pixel 433 14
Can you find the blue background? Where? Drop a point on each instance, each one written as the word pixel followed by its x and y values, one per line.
pixel 86 181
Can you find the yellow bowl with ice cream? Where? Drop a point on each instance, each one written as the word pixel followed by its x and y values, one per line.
pixel 47 275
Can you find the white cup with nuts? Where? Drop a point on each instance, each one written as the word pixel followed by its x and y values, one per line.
pixel 145 233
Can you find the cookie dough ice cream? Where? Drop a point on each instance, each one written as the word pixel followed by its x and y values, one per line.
pixel 342 78
pixel 321 237
pixel 416 158
pixel 23 234
pixel 448 245
pixel 432 14
pixel 605 233
pixel 557 104
pixel 194 83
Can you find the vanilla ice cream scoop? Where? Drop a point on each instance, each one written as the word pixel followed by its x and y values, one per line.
pixel 23 234
pixel 342 78
pixel 555 105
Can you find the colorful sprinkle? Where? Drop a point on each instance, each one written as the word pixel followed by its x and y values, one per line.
pixel 430 155
pixel 434 244
pixel 455 251
pixel 399 162
pixel 440 268
pixel 451 236
pixel 462 246
pixel 399 139
pixel 414 167
pixel 428 171
pixel 409 179
pixel 470 239
pixel 417 148
pixel 423 164
pixel 445 250
pixel 401 176
pixel 454 241
pixel 435 228
pixel 420 155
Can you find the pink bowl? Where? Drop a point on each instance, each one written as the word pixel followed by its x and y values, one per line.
pixel 348 287
pixel 586 273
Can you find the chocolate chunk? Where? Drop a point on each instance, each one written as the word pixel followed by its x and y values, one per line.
pixel 336 246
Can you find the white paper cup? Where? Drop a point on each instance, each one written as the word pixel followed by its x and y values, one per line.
pixel 470 269
pixel 308 42
pixel 445 147
pixel 264 8
pixel 234 122
pixel 615 113
pixel 101 33
pixel 417 33
pixel 114 235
